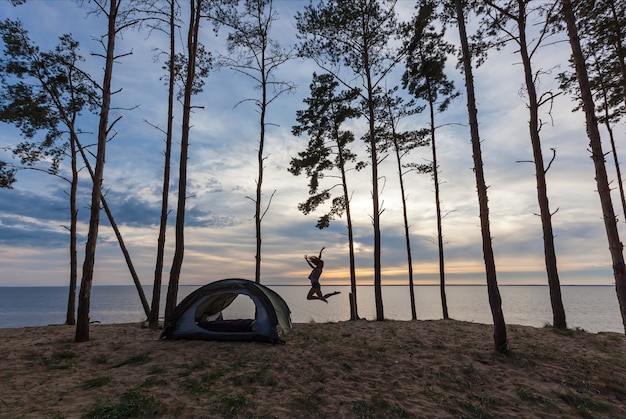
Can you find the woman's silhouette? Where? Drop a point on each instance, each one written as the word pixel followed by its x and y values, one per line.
pixel 317 265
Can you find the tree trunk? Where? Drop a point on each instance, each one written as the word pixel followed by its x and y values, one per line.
pixel 442 274
pixel 407 237
pixel 153 319
pixel 70 318
pixel 405 218
pixel 258 217
pixel 354 311
pixel 618 170
pixel 84 298
pixel 558 312
pixel 495 302
pixel 129 262
pixel 259 184
pixel 597 155
pixel 177 263
pixel 378 296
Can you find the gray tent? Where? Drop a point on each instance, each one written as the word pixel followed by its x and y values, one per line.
pixel 199 315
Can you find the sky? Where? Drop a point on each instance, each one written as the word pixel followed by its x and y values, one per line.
pixel 220 232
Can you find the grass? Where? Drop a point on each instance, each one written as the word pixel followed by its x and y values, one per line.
pixel 585 406
pixel 362 409
pixel 133 404
pixel 470 370
pixel 59 360
pixel 256 376
pixel 155 381
pixel 197 386
pixel 100 359
pixel 475 410
pixel 527 395
pixel 138 359
pixel 310 401
pixel 616 387
pixel 377 407
pixel 232 405
pixel 95 382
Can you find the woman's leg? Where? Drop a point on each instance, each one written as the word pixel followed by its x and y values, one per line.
pixel 315 294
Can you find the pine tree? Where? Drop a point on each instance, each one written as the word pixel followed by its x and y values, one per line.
pixel 495 25
pixel 45 91
pixel 597 155
pixel 424 78
pixel 495 301
pixel 351 39
pixel 327 152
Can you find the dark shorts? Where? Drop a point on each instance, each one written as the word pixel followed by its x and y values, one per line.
pixel 316 285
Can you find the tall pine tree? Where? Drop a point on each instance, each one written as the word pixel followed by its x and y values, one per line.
pixel 328 152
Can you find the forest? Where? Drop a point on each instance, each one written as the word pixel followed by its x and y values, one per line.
pixel 368 127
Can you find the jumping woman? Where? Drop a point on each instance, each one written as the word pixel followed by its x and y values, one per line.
pixel 317 264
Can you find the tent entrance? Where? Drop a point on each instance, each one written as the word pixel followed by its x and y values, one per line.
pixel 242 307
pixel 232 312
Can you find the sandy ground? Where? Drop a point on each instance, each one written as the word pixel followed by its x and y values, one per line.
pixel 362 369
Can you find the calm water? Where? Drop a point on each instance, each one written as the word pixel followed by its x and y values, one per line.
pixel 593 308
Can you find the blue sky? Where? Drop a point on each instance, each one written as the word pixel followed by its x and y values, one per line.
pixel 220 235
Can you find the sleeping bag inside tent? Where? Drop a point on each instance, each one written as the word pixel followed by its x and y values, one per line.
pixel 200 316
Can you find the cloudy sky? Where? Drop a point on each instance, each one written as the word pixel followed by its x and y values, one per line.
pixel 220 234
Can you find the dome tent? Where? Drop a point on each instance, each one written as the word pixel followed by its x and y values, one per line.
pixel 199 315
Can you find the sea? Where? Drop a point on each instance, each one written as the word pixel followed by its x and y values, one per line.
pixel 591 308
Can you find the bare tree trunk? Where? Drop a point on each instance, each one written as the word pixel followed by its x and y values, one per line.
pixel 495 302
pixel 258 217
pixel 442 272
pixel 407 237
pixel 378 296
pixel 129 263
pixel 84 298
pixel 558 311
pixel 618 170
pixel 597 155
pixel 405 218
pixel 177 263
pixel 153 319
pixel 354 311
pixel 70 318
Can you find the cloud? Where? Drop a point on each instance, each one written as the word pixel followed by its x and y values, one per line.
pixel 220 237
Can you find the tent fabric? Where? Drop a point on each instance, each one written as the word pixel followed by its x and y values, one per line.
pixel 199 315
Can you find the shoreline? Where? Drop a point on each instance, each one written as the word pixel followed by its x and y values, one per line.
pixel 423 368
pixel 593 309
